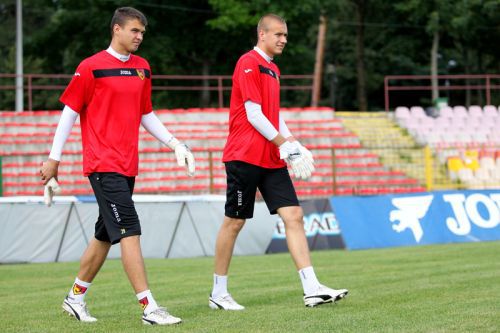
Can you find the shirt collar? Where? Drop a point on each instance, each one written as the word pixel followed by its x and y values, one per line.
pixel 263 54
pixel 117 55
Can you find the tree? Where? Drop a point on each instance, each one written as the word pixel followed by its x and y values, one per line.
pixel 365 41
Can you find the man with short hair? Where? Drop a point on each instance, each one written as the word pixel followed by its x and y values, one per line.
pixel 257 147
pixel 111 92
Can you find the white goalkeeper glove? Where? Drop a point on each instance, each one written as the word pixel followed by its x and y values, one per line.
pixel 302 165
pixel 184 155
pixel 306 152
pixel 51 188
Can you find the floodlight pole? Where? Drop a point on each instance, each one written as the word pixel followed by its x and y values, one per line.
pixel 318 67
pixel 19 56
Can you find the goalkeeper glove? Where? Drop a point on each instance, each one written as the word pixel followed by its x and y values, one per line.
pixel 184 155
pixel 51 188
pixel 301 163
pixel 306 152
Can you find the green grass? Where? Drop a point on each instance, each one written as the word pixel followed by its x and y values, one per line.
pixel 443 288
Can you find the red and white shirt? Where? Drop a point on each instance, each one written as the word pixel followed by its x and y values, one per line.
pixel 257 80
pixel 111 96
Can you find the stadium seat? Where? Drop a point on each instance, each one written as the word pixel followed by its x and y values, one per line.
pixel 442 122
pixel 471 159
pixel 446 112
pixel 466 175
pixel 432 139
pixel 479 137
pixel 417 112
pixel 475 111
pixel 482 174
pixel 426 122
pixel 401 113
pixel 494 138
pixel 454 165
pixel 473 122
pixel 490 110
pixel 460 111
pixel 458 122
pixel 488 121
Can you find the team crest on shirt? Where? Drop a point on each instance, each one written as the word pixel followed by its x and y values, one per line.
pixel 140 73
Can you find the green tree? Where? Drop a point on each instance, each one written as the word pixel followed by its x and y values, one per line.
pixel 366 40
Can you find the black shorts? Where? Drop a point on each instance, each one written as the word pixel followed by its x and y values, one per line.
pixel 243 179
pixel 117 216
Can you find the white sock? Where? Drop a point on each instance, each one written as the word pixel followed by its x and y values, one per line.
pixel 147 301
pixel 220 286
pixel 78 291
pixel 309 281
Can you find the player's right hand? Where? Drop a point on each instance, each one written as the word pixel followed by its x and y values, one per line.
pixel 302 164
pixel 51 188
pixel 49 170
pixel 185 158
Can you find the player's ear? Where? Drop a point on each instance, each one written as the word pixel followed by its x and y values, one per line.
pixel 261 34
pixel 116 28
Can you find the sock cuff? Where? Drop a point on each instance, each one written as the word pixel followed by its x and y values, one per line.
pixel 143 294
pixel 147 302
pixel 220 278
pixel 82 283
pixel 306 271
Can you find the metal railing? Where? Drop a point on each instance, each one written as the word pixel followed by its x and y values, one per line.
pixel 210 83
pixel 446 83
pixel 357 172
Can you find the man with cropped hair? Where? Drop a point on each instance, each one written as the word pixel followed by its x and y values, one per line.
pixel 111 92
pixel 258 148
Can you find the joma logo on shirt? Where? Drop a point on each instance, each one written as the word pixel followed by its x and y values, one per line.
pixel 125 72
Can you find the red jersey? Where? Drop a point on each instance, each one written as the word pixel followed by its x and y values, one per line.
pixel 111 96
pixel 256 80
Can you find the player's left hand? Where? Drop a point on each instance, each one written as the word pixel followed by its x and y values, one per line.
pixel 185 158
pixel 301 163
pixel 306 152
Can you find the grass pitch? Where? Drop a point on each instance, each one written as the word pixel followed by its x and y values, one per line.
pixel 443 288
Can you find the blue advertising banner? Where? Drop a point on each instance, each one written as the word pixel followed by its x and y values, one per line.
pixel 321 227
pixel 423 218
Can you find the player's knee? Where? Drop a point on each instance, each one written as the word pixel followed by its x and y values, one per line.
pixel 294 224
pixel 293 214
pixel 233 225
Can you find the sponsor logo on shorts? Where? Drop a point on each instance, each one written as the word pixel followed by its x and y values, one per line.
pixel 115 211
pixel 122 230
pixel 240 197
pixel 79 290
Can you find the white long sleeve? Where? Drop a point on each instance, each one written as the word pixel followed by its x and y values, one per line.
pixel 155 127
pixel 68 118
pixel 284 129
pixel 259 121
